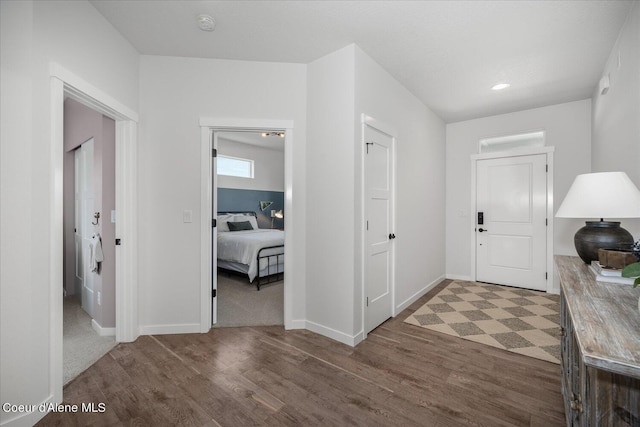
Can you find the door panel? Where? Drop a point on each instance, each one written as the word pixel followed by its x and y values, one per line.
pixel 77 226
pixel 510 251
pixel 511 248
pixel 378 188
pixel 84 194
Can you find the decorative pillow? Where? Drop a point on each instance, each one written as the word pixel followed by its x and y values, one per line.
pixel 252 219
pixel 221 222
pixel 239 226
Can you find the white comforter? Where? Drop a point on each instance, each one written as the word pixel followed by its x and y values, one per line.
pixel 243 246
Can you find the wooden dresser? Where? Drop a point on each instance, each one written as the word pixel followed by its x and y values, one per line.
pixel 600 348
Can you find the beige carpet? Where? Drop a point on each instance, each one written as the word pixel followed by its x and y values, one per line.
pixel 81 344
pixel 241 304
pixel 518 320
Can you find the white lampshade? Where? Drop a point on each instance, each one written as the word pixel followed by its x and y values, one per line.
pixel 601 195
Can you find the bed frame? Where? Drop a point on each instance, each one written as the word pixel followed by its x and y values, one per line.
pixel 269 277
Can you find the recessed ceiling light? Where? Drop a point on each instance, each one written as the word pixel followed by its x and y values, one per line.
pixel 500 86
pixel 206 23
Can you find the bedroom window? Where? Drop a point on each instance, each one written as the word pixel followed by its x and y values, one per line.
pixel 235 166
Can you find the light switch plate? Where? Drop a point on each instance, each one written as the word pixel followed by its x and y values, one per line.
pixel 187 216
pixel 113 217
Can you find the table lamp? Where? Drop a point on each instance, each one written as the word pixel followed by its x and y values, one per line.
pixel 276 214
pixel 601 195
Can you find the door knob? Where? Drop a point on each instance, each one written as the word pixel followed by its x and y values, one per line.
pixel 481 230
pixel 392 236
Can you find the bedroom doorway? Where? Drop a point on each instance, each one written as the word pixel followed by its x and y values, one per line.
pixel 248 192
pixel 210 130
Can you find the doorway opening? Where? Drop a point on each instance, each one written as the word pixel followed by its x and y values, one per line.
pixel 89 227
pixel 208 275
pixel 249 187
pixel 66 85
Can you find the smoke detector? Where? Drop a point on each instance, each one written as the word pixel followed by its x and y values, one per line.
pixel 206 23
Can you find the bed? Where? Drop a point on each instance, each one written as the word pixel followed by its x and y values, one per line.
pixel 247 249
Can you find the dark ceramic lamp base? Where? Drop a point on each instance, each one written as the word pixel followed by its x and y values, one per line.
pixel 600 235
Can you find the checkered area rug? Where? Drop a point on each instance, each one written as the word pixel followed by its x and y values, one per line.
pixel 518 320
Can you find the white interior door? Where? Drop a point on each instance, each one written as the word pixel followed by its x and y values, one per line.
pixel 378 262
pixel 84 199
pixel 511 238
pixel 214 234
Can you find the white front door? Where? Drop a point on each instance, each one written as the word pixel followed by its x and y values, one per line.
pixel 378 262
pixel 511 237
pixel 84 198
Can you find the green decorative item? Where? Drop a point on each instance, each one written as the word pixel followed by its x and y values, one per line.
pixel 632 270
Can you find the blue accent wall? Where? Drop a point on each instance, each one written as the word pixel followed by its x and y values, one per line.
pixel 232 199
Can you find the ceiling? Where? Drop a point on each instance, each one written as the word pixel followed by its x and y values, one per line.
pixel 271 141
pixel 447 53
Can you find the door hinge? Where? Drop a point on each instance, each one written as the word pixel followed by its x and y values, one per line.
pixel 214 293
pixel 214 223
pixel 367 225
pixel 546 276
pixel 118 242
pixel 546 221
pixel 367 301
pixel 214 152
pixel 546 168
pixel 368 144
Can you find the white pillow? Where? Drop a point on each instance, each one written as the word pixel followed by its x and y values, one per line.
pixel 252 220
pixel 221 222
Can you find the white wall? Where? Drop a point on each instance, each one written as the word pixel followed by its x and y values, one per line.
pixel 174 94
pixel 268 166
pixel 616 115
pixel 420 175
pixel 74 35
pixel 330 195
pixel 568 129
pixel 342 86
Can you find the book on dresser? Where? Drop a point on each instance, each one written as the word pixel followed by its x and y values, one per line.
pixel 609 275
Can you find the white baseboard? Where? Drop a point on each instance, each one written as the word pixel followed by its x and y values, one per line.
pixel 413 298
pixel 296 324
pixel 103 332
pixel 186 328
pixel 25 419
pixel 332 333
pixel 554 290
pixel 358 338
pixel 457 277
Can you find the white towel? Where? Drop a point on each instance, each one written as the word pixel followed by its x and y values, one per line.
pixel 96 256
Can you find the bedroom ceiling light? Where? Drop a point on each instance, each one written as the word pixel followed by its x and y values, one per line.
pixel 500 86
pixel 206 23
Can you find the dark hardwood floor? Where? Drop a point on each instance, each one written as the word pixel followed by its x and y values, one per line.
pixel 401 375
